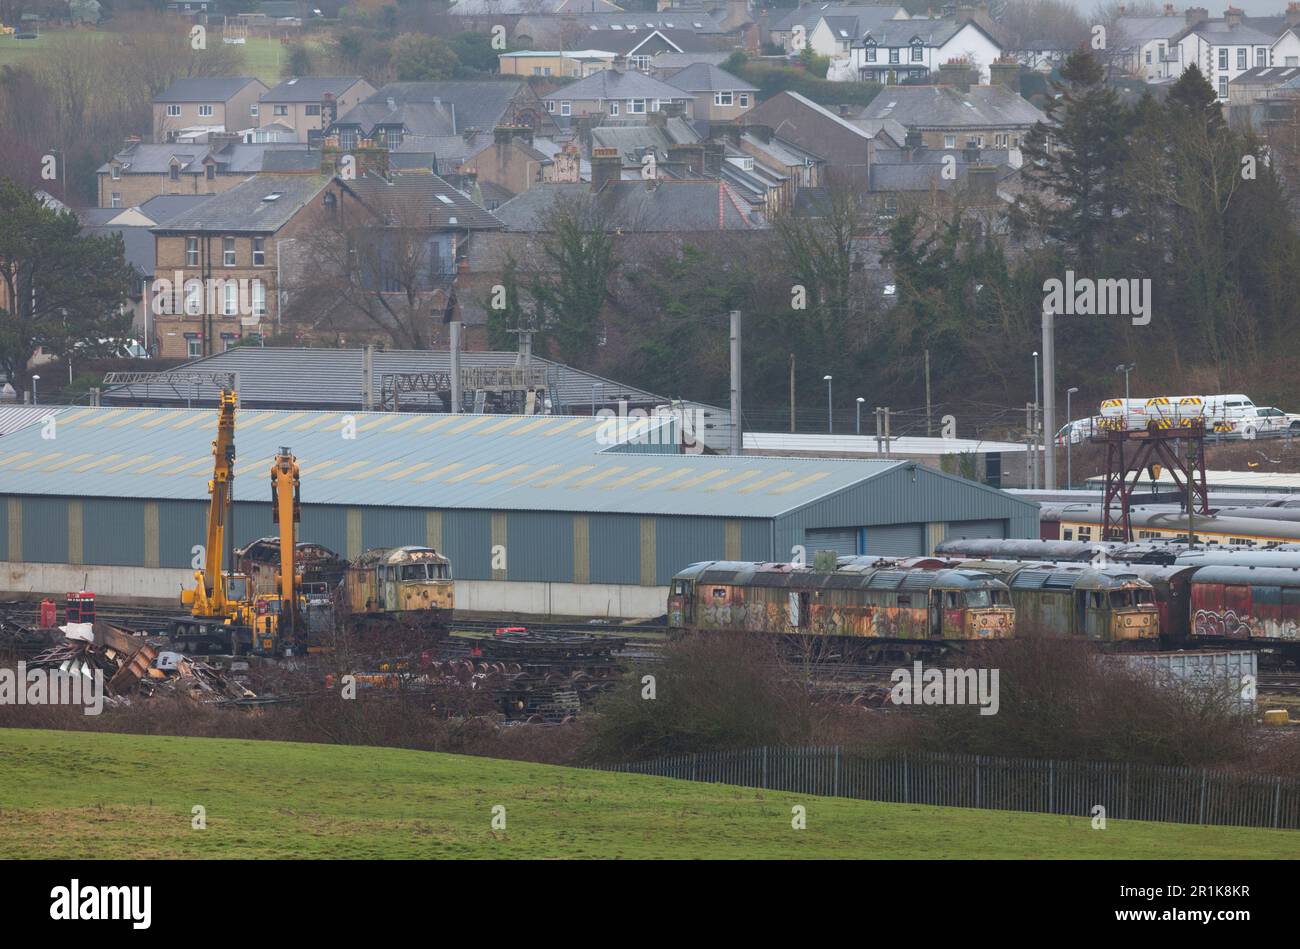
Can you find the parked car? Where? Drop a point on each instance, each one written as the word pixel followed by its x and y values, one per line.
pixel 1267 421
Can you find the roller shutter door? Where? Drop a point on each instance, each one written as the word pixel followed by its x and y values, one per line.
pixel 976 530
pixel 844 541
pixel 895 540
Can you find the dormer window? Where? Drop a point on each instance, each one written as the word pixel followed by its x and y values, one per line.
pixel 175 171
pixel 211 171
pixel 116 172
pixel 918 52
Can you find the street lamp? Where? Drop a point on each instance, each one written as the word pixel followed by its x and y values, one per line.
pixel 1033 425
pixel 830 408
pixel 35 379
pixel 1069 438
pixel 1126 369
pixel 859 426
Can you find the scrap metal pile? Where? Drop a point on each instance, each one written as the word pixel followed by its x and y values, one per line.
pixel 131 664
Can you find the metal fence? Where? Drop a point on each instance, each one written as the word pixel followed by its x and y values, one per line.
pixel 1126 791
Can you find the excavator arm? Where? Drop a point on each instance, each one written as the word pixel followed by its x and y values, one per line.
pixel 286 510
pixel 208 598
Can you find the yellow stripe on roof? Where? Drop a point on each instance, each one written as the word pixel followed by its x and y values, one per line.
pixel 662 479
pixel 410 469
pixel 162 418
pixel 699 479
pixel 39 460
pixel 734 479
pixel 557 429
pixel 16 456
pixel 794 485
pixel 67 417
pixel 628 479
pixel 437 471
pixel 132 418
pixel 535 474
pixel 108 417
pixel 466 475
pixel 598 476
pixel 531 426
pixel 474 422
pixel 188 422
pixel 122 466
pixel 99 461
pixel 311 422
pixel 374 471
pixel 504 423
pixel 278 423
pixel 158 464
pixel 550 482
pixel 374 423
pixel 438 424
pixel 191 464
pixel 513 469
pixel 262 464
pixel 304 470
pixel 68 461
pixel 352 466
pixel 246 422
pixel 764 482
pixel 410 420
pixel 595 428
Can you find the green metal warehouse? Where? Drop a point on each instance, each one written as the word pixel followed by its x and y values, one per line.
pixel 561 500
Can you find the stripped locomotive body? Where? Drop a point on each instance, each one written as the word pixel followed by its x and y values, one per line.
pixel 407 587
pixel 859 599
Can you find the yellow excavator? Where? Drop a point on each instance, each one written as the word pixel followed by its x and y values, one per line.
pixel 277 617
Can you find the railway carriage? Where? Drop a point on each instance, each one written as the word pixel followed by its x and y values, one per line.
pixel 1260 605
pixel 408 585
pixel 860 599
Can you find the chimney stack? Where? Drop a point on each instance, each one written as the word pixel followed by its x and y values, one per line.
pixel 1194 15
pixel 982 184
pixel 606 165
pixel 1005 72
pixel 1292 13
pixel 957 73
pixel 1232 17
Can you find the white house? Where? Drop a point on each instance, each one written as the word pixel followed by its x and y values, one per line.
pixel 805 26
pixel 1222 49
pixel 900 49
pixel 1147 44
pixel 1286 48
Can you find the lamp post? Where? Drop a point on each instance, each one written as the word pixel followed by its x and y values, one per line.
pixel 1033 424
pixel 1126 369
pixel 859 425
pixel 35 379
pixel 1069 438
pixel 830 407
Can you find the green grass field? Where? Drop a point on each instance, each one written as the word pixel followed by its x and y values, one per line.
pixel 83 795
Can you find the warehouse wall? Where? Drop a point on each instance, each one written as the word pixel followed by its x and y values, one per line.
pixel 538 546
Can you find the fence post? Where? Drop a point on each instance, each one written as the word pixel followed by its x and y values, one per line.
pixel 1277 802
pixel 835 792
pixel 765 766
pixel 977 780
pixel 1051 787
pixel 1205 773
pixel 907 791
pixel 694 760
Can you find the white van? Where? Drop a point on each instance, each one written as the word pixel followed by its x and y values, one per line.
pixel 1223 409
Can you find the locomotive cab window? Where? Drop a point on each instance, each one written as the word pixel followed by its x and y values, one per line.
pixel 1096 600
pixel 977 598
pixel 719 592
pixel 679 587
pixel 414 571
pixel 952 601
pixel 1120 598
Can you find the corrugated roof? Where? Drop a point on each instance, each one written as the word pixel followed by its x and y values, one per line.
pixel 483 462
pixel 15 417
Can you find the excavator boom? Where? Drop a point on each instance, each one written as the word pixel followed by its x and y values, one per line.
pixel 287 512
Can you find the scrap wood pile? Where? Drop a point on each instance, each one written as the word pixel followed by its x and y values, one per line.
pixel 131 664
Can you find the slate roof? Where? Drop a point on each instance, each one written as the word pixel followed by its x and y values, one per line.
pixel 901 32
pixel 310 88
pixel 429 196
pixel 612 84
pixel 205 89
pixel 137 245
pixel 939 107
pixel 232 158
pixel 478 104
pixel 1140 30
pixel 669 206
pixel 705 77
pixel 245 208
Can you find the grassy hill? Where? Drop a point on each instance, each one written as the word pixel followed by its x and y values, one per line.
pixel 80 795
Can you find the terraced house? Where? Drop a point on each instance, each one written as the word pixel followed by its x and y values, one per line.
pixel 223 103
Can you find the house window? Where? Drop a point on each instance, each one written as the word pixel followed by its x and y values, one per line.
pixel 950 141
pixel 348 138
pixel 744 100
pixel 173 111
pixel 252 109
pixel 1160 48
pixel 175 172
pixel 1148 57
pixel 259 251
pixel 546 70
pixel 1223 87
pixel 228 340
pixel 1223 58
pixel 1014 141
pixel 918 52
pixel 228 251
pixel 194 347
pixel 893 56
pixel 116 199
pixel 191 252
pixel 636 106
pixel 871 54
pixel 1261 56
pixel 999 141
pixel 194 297
pixel 230 301
pixel 613 107
pixel 1241 57
pixel 116 172
pixel 393 137
pixel 722 98
pixel 211 171
pixel 205 111
pixel 259 298
pixel 537 70
pixel 550 106
pixel 566 108
pixel 641 63
pixel 281 110
pixel 313 110
pixel 1293 60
